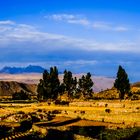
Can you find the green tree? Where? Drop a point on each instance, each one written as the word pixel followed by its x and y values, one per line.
pixel 74 86
pixel 69 83
pixel 54 82
pixel 48 87
pixel 40 90
pixel 122 83
pixel 61 88
pixel 85 85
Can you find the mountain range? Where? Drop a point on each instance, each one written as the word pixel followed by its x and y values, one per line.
pixel 19 70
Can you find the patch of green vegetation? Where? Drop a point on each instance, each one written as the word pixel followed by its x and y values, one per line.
pixel 25 125
pixel 5 130
pixel 19 101
pixel 121 134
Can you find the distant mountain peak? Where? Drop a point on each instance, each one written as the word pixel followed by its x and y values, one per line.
pixel 18 70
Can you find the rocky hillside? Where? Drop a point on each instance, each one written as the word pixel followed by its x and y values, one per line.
pixel 10 87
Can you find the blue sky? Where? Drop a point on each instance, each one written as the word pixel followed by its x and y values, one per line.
pixel 80 35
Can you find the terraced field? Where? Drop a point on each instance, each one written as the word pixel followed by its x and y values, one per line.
pixel 84 116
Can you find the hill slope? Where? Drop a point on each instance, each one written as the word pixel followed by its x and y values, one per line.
pixel 10 87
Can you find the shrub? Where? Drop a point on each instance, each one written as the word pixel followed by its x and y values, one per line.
pixel 25 125
pixel 56 112
pixel 137 107
pixel 50 116
pixel 65 103
pixel 39 110
pixel 58 102
pixel 107 110
pixel 20 112
pixel 35 119
pixel 120 134
pixel 49 103
pixel 4 130
pixel 22 95
pixel 82 112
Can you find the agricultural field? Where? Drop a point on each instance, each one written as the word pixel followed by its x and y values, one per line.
pixel 85 120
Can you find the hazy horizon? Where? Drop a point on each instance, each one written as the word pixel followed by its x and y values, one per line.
pixel 81 36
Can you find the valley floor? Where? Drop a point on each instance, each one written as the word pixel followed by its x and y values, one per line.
pixel 80 120
pixel 126 113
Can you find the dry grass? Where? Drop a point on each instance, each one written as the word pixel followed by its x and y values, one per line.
pixel 125 112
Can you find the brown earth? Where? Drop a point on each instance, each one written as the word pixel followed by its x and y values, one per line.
pixel 7 88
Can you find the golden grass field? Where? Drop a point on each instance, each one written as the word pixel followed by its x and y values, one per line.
pixel 125 113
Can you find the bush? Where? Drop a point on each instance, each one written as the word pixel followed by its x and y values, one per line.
pixel 35 119
pixel 39 110
pixel 4 130
pixel 21 96
pixel 25 125
pixel 49 117
pixel 121 134
pixel 20 112
pixel 82 112
pixel 56 112
pixel 107 110
pixel 49 103
pixel 138 108
pixel 58 102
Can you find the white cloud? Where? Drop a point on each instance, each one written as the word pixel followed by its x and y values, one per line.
pixel 62 17
pixel 81 62
pixel 101 25
pixel 121 29
pixel 79 21
pixel 69 18
pixel 4 29
pixel 26 34
pixel 82 20
pixel 7 22
pixel 108 27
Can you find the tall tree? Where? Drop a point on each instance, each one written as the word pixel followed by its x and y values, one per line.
pixel 122 83
pixel 74 84
pixel 48 88
pixel 54 82
pixel 85 85
pixel 69 83
pixel 40 90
